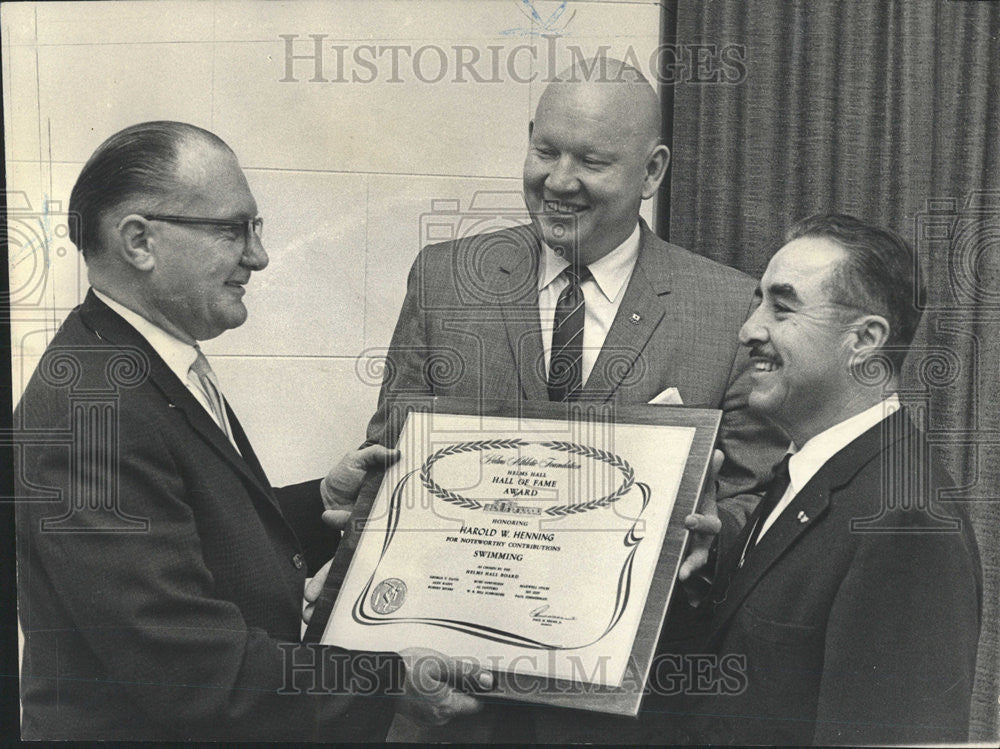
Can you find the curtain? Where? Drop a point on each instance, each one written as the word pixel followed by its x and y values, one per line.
pixel 889 111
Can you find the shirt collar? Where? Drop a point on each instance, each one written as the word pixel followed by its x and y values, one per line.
pixel 176 354
pixel 806 462
pixel 610 273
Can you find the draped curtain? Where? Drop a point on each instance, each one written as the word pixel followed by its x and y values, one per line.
pixel 889 111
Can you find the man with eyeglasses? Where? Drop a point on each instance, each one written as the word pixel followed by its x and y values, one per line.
pixel 161 577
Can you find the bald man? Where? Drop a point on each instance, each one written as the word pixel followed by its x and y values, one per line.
pixel 585 303
pixel 658 322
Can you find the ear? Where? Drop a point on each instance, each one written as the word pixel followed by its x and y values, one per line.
pixel 134 243
pixel 870 333
pixel 531 128
pixel 656 167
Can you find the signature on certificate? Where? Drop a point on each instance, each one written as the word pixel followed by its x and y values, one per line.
pixel 542 612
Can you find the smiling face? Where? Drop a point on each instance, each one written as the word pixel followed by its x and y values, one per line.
pixel 592 159
pixel 799 342
pixel 195 289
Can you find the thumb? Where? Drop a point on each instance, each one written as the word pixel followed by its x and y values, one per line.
pixel 374 458
pixel 467 675
pixel 315 585
pixel 337 519
pixel 718 458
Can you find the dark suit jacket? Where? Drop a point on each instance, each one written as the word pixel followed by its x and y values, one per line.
pixel 858 613
pixel 159 574
pixel 469 327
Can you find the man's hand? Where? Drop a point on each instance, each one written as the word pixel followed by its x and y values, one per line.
pixel 704 526
pixel 314 586
pixel 435 686
pixel 341 485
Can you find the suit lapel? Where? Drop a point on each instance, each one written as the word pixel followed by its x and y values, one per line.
pixel 803 514
pixel 813 501
pixel 639 315
pixel 246 450
pixel 517 278
pixel 110 327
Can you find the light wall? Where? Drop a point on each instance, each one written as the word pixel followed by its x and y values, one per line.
pixel 343 171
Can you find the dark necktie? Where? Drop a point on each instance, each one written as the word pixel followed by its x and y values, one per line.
pixel 775 491
pixel 565 362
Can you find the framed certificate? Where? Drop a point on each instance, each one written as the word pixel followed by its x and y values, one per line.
pixel 542 544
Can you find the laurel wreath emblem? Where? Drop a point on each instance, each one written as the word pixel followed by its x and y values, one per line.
pixel 615 461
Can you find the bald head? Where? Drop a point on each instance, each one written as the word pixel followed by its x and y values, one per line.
pixel 594 155
pixel 609 88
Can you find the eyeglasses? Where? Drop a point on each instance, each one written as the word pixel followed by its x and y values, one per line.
pixel 247 226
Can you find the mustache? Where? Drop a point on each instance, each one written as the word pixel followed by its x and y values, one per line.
pixel 760 352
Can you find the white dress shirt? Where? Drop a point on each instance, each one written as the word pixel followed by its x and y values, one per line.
pixel 602 294
pixel 176 354
pixel 806 462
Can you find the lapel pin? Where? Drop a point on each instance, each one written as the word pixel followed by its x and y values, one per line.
pixel 636 317
pixel 803 518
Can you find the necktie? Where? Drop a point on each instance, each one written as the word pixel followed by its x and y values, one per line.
pixel 210 387
pixel 775 491
pixel 565 362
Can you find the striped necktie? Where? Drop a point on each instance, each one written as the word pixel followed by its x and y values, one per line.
pixel 566 360
pixel 210 387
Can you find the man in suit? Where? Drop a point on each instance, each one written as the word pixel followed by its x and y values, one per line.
pixel 853 594
pixel 160 575
pixel 585 303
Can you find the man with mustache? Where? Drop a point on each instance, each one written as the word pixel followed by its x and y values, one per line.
pixel 854 591
pixel 160 576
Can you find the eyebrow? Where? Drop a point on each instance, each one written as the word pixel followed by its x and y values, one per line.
pixel 784 291
pixel 590 152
